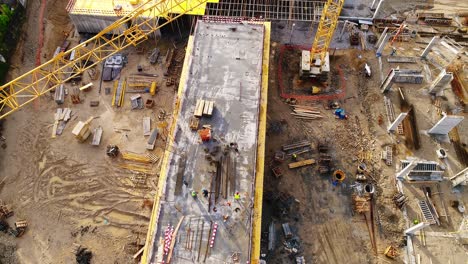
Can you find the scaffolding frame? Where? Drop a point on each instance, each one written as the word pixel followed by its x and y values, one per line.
pixel 269 10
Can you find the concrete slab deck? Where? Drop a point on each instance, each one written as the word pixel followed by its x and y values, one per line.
pixel 225 67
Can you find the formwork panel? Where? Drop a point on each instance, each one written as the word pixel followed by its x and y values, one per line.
pixel 91 23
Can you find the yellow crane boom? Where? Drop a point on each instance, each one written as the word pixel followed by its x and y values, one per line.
pixel 135 27
pixel 317 57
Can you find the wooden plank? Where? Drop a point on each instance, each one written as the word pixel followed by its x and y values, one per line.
pixel 210 108
pixel 199 108
pixel 138 253
pixel 57 115
pixel 206 108
pixel 306 118
pixel 306 115
pixel 305 107
pixel 67 114
pixel 301 163
pixel 62 113
pixel 306 111
pixel 146 126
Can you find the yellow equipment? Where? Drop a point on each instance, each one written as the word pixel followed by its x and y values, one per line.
pixel 153 88
pixel 316 90
pixel 316 63
pixel 136 27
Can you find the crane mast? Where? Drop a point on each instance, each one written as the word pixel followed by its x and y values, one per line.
pixel 131 29
pixel 315 63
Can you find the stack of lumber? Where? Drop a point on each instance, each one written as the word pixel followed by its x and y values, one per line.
pixel 361 204
pixel 138 162
pixel 306 112
pixel 82 129
pixel 204 108
pixel 299 144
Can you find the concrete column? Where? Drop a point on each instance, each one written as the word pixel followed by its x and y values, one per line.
pixel 412 230
pixel 445 124
pixel 382 36
pixel 429 46
pixel 377 9
pixel 440 82
pixel 378 53
pixel 397 121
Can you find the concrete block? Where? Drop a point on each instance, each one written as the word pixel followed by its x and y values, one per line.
pixel 445 124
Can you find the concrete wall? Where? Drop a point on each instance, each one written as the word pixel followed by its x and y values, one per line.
pixel 92 24
pixel 95 24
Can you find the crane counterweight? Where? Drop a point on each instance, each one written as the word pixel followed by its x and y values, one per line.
pixel 316 63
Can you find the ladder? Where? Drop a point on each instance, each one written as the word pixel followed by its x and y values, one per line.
pixel 426 212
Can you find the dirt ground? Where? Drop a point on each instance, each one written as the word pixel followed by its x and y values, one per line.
pixel 322 216
pixel 325 219
pixel 71 192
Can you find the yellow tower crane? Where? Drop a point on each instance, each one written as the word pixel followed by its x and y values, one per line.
pixel 131 29
pixel 316 63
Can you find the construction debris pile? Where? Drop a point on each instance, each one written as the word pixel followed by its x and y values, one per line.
pixel 19 226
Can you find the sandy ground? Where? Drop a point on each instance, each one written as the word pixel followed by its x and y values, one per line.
pixel 71 192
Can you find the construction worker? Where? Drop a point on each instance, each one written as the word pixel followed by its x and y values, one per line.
pixel 237 196
pixel 194 194
pixel 205 192
pixel 294 156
